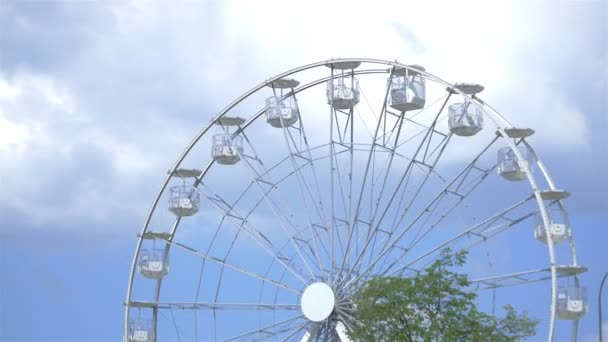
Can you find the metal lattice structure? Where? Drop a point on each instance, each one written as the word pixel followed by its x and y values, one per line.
pixel 303 199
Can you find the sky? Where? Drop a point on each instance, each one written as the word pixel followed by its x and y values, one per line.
pixel 98 98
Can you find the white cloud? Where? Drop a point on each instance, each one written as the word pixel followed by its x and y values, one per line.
pixel 64 165
pixel 6 90
pixel 147 78
pixel 491 43
pixel 12 135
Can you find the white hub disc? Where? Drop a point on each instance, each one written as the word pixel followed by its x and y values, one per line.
pixel 317 302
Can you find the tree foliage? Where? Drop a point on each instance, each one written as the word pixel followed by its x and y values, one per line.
pixel 434 305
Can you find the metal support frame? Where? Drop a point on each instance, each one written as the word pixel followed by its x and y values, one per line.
pixel 313 243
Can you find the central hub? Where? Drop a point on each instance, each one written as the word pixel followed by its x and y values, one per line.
pixel 317 301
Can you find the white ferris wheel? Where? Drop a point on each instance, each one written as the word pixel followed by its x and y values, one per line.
pixel 316 180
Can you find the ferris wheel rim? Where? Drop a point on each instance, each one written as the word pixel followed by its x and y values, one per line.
pixel 199 178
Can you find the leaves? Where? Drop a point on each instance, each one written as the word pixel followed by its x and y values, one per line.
pixel 434 305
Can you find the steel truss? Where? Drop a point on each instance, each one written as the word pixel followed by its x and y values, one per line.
pixel 353 228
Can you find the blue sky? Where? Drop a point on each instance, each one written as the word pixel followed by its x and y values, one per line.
pixel 98 98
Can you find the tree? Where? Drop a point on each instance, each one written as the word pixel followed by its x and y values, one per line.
pixel 433 305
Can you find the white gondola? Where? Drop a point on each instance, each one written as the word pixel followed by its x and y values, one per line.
pixel 153 263
pixel 343 92
pixel 140 330
pixel 559 226
pixel 184 200
pixel 466 119
pixel 285 110
pixel 407 89
pixel 227 149
pixel 572 302
pixel 510 168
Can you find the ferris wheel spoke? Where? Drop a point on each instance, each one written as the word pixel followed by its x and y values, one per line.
pixel 173 322
pixel 424 128
pixel 389 162
pixel 527 277
pixel 223 268
pixel 375 226
pixel 200 276
pixel 315 173
pixel 252 210
pixel 346 140
pixel 345 207
pixel 300 182
pixel 276 186
pixel 430 132
pixel 215 306
pixel 332 222
pixel 346 312
pixel 306 155
pixel 276 290
pixel 282 219
pixel 458 191
pixel 514 279
pixel 390 245
pixel 223 263
pixel 261 240
pixel 452 188
pixel 311 331
pixel 478 233
pixel 427 169
pixel 351 227
pixel 387 211
pixel 315 198
pixel 269 334
pixel 295 332
pixel 277 334
pixel 341 331
pixel 265 329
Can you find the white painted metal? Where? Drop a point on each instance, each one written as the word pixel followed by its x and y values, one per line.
pixel 570 270
pixel 342 332
pixel 281 112
pixel 554 195
pixel 184 200
pixel 513 168
pixel 515 133
pixel 317 302
pixel 466 119
pixel 370 254
pixel 467 88
pixel 343 92
pixel 186 173
pixel 311 332
pixel 343 65
pixel 140 330
pixel 571 303
pixel 151 235
pixel 227 149
pixel 559 226
pixel 284 83
pixel 408 90
pixel 153 263
pixel 215 306
pixel 412 69
pixel 229 121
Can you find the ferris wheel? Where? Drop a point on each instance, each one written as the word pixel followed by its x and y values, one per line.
pixel 316 180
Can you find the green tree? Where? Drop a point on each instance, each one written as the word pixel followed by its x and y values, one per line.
pixel 434 305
